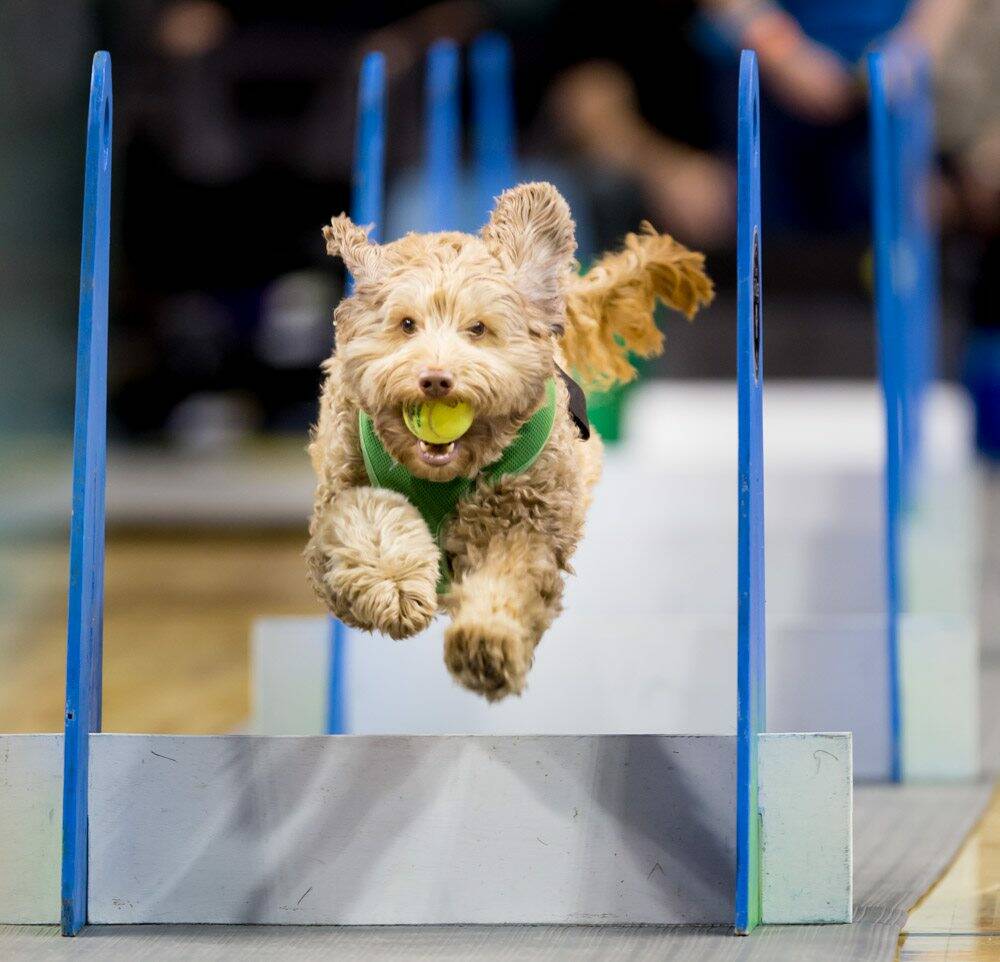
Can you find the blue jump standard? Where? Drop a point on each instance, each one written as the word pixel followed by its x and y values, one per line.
pixel 751 701
pixel 86 567
pixel 84 642
pixel 906 305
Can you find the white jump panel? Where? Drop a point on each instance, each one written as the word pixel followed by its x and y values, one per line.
pixel 289 676
pixel 806 816
pixel 943 544
pixel 394 830
pixel 821 676
pixel 825 454
pixel 826 426
pixel 30 828
pixel 666 538
pixel 939 697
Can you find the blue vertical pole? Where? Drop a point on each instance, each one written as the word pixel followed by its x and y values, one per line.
pixel 368 188
pixel 336 701
pixel 367 203
pixel 443 146
pixel 899 80
pixel 494 131
pixel 890 350
pixel 751 695
pixel 928 294
pixel 84 637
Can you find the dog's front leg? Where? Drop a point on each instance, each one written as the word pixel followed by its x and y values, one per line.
pixel 373 561
pixel 502 601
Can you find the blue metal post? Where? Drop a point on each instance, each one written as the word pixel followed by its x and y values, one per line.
pixel 927 292
pixel 751 695
pixel 336 708
pixel 86 572
pixel 444 148
pixel 889 327
pixel 368 188
pixel 494 132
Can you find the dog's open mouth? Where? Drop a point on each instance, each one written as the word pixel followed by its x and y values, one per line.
pixel 437 455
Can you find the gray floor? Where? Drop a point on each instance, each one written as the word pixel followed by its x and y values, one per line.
pixel 904 839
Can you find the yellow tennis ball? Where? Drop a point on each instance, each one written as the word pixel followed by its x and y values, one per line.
pixel 438 422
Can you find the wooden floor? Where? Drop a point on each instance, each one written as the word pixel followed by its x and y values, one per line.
pixel 959 919
pixel 178 611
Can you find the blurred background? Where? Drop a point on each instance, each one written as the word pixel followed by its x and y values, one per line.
pixel 232 146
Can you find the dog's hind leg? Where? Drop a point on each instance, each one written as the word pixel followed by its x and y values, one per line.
pixel 501 606
pixel 373 562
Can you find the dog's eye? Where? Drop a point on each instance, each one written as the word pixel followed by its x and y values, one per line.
pixel 477 330
pixel 408 325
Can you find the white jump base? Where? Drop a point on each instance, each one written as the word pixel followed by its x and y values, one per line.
pixel 590 829
pixel 31 769
pixel 824 455
pixel 820 677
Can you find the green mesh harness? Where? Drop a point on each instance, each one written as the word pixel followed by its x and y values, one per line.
pixel 437 500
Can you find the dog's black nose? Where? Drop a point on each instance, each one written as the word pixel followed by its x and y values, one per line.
pixel 435 383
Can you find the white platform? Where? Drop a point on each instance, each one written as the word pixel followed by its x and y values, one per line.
pixel 798 841
pixel 30 828
pixel 425 829
pixel 401 830
pixel 628 680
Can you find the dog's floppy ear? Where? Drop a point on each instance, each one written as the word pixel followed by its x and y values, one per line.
pixel 364 258
pixel 531 233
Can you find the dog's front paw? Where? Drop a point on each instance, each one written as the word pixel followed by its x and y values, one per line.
pixel 491 656
pixel 375 563
pixel 374 602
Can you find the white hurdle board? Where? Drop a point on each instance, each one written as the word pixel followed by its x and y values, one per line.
pixel 542 829
pixel 681 682
pixel 825 455
pixel 342 829
pixel 30 819
pixel 433 828
pixel 173 818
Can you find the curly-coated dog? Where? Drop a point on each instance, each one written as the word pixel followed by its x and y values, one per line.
pixel 482 528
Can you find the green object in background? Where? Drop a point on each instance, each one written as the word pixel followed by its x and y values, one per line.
pixel 607 409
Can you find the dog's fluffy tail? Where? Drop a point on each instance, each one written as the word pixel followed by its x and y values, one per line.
pixel 609 310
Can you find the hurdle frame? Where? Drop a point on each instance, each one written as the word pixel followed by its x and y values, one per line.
pixel 926 737
pixel 929 526
pixel 84 646
pixel 750 620
pixel 134 845
pixel 83 702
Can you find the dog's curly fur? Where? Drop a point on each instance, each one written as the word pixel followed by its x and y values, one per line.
pixel 371 557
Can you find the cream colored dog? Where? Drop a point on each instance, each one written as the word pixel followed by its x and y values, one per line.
pixel 484 319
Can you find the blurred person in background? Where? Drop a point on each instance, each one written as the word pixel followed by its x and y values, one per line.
pixel 810 54
pixel 234 130
pixel 663 119
pixel 968 113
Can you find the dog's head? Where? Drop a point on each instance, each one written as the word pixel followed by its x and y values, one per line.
pixel 457 317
